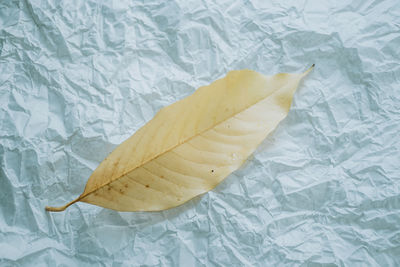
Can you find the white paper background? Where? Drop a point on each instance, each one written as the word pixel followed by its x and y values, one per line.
pixel 79 77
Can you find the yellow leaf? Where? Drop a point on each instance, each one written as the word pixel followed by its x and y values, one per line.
pixel 190 146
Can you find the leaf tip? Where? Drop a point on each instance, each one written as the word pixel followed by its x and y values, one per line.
pixel 307 71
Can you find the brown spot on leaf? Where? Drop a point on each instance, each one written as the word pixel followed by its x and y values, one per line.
pixel 147 186
pixel 126 185
pixel 212 170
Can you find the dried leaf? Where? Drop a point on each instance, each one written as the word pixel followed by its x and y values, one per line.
pixel 190 146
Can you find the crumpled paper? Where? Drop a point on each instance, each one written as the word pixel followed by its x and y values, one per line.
pixel 77 78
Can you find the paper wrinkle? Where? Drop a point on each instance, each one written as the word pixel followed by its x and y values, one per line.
pixel 76 79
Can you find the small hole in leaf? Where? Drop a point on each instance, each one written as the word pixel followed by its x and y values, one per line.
pixel 212 170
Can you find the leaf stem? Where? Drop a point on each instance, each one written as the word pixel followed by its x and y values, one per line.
pixel 58 209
